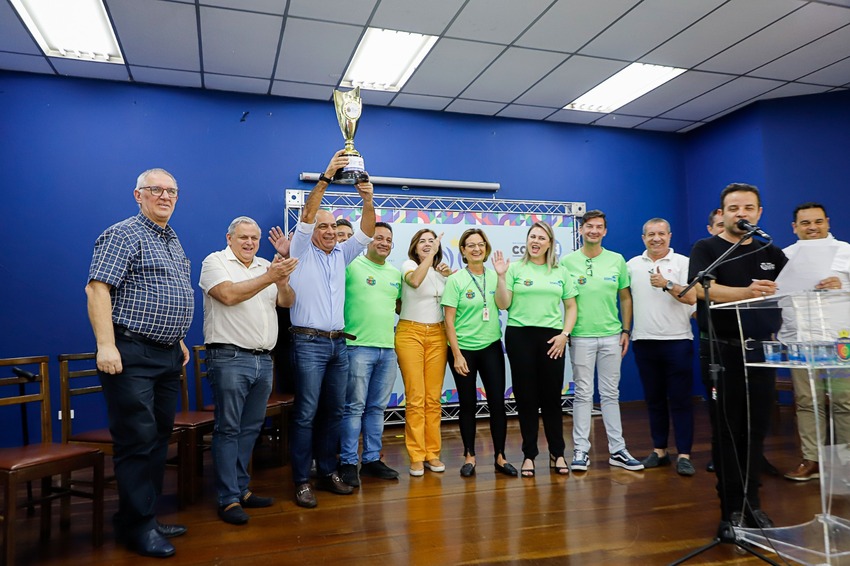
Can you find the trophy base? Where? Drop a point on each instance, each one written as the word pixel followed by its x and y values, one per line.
pixel 348 175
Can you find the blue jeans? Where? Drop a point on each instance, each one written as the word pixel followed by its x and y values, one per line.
pixel 321 374
pixel 371 375
pixel 241 384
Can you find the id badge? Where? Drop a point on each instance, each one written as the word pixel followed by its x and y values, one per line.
pixel 485 314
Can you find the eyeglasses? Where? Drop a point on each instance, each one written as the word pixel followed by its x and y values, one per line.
pixel 482 245
pixel 157 191
pixel 588 264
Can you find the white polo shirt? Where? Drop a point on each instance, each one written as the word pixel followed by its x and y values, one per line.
pixel 251 324
pixel 657 314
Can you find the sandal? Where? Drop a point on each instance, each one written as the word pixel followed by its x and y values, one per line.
pixel 527 472
pixel 560 470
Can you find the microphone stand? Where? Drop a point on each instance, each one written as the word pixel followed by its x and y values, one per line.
pixel 725 531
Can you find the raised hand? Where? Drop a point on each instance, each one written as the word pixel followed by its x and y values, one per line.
pixel 500 264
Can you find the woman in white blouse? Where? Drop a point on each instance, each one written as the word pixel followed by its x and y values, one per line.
pixel 420 343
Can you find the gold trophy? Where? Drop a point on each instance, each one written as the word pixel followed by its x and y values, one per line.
pixel 348 109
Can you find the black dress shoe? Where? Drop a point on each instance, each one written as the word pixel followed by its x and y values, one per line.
pixel 304 496
pixel 253 501
pixel 170 531
pixel 467 470
pixel 151 543
pixel 508 469
pixel 710 466
pixel 334 484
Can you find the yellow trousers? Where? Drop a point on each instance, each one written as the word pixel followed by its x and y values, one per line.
pixel 422 352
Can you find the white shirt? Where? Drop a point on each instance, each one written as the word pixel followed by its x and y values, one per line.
pixel 423 303
pixel 657 314
pixel 825 318
pixel 250 324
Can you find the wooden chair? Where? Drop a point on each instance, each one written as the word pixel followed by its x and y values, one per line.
pixel 43 460
pixel 78 376
pixel 196 424
pixel 278 407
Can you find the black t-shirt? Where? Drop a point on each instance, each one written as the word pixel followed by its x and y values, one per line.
pixel 738 270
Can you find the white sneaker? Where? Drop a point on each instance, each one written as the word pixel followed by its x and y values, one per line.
pixel 435 465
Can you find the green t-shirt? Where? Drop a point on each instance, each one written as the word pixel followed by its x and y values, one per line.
pixel 371 291
pixel 462 293
pixel 538 295
pixel 598 284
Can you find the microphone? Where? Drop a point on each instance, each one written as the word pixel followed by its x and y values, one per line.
pixel 747 227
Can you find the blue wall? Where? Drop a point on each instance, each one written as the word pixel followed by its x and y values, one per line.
pixel 72 149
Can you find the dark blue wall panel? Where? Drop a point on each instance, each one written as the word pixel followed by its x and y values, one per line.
pixel 72 149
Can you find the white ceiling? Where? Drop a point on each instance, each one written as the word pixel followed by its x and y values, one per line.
pixel 510 58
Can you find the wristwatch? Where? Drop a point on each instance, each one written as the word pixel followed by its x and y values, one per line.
pixel 327 180
pixel 668 286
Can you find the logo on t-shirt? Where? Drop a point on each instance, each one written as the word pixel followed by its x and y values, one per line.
pixel 767 266
pixel 559 283
pixel 581 280
pixel 370 281
pixel 528 282
pixel 470 294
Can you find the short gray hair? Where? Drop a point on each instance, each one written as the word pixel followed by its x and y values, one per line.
pixel 142 179
pixel 242 220
pixel 655 221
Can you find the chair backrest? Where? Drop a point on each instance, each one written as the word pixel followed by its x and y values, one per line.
pixel 199 356
pixel 31 381
pixel 73 371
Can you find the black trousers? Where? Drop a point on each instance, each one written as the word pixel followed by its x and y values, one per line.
pixel 489 363
pixel 740 417
pixel 538 381
pixel 141 402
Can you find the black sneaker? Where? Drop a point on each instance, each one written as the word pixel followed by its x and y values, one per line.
pixel 377 469
pixel 736 519
pixel 348 474
pixel 759 519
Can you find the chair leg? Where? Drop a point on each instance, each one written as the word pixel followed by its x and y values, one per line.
pixel 192 468
pixel 46 507
pixel 65 502
pixel 97 501
pixel 9 520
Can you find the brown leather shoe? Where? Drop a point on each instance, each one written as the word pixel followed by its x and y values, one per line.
pixel 334 484
pixel 807 470
pixel 304 496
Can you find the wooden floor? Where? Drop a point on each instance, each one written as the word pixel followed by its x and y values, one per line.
pixel 605 516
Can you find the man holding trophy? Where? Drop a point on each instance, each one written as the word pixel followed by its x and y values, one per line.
pixel 318 323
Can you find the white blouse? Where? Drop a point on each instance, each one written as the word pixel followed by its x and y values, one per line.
pixel 423 303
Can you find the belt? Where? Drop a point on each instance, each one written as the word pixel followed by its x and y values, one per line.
pixel 332 334
pixel 127 333
pixel 256 352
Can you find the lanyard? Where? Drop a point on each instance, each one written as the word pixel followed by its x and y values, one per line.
pixel 480 290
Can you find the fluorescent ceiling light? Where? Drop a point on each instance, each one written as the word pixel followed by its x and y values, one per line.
pixel 386 58
pixel 632 82
pixel 74 29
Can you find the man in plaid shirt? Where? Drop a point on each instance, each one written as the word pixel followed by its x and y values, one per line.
pixel 140 304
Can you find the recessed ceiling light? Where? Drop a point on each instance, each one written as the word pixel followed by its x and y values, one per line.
pixel 632 82
pixel 73 29
pixel 386 58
